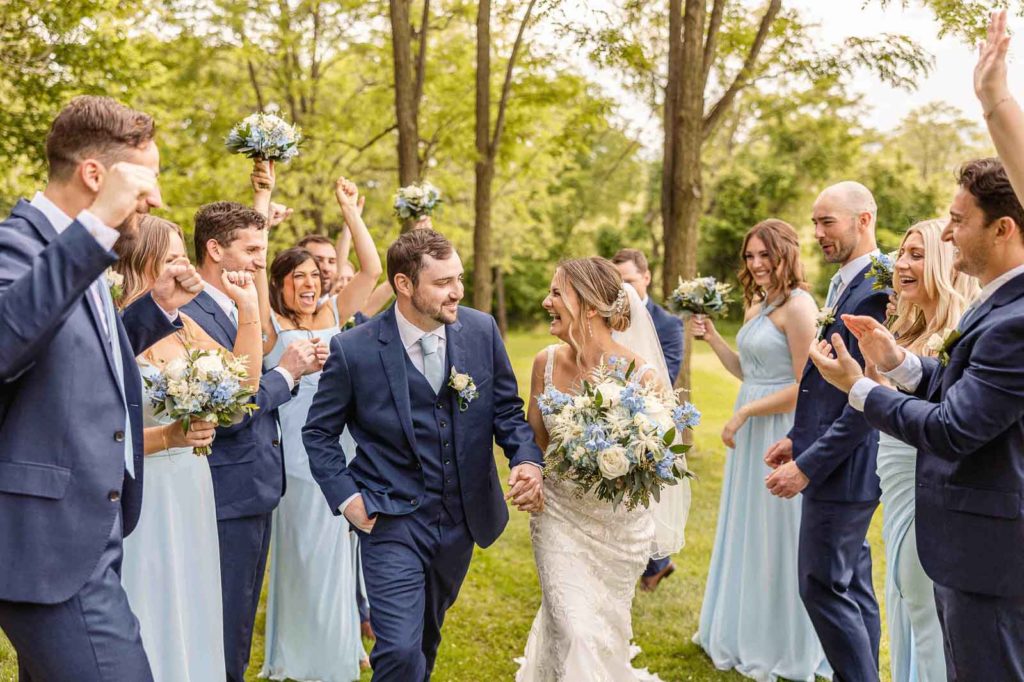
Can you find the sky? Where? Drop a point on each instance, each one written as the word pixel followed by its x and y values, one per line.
pixel 950 79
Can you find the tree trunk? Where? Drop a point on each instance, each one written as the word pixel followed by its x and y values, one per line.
pixel 405 94
pixel 501 310
pixel 675 48
pixel 681 233
pixel 484 167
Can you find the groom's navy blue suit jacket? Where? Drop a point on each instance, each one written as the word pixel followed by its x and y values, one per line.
pixel 247 463
pixel 62 473
pixel 832 443
pixel 967 422
pixel 364 386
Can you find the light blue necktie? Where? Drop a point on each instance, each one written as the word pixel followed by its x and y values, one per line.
pixel 966 317
pixel 115 346
pixel 233 314
pixel 833 290
pixel 433 369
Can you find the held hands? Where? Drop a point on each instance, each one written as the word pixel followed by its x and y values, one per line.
pixel 990 71
pixel 780 453
pixel 786 481
pixel 701 327
pixel 200 434
pixel 526 488
pixel 126 188
pixel 355 513
pixel 263 177
pixel 176 285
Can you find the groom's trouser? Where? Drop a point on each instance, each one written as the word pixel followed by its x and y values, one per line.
pixel 983 635
pixel 835 584
pixel 244 544
pixel 414 567
pixel 91 637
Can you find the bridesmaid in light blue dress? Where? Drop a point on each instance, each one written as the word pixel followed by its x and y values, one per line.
pixel 931 297
pixel 752 619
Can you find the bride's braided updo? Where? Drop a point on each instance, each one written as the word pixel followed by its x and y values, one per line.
pixel 598 287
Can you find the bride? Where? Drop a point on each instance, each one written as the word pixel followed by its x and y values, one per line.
pixel 590 555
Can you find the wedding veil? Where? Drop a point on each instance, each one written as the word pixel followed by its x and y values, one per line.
pixel 671 512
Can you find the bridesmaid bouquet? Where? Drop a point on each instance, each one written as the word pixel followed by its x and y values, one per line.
pixel 882 270
pixel 416 201
pixel 701 296
pixel 617 439
pixel 206 385
pixel 264 137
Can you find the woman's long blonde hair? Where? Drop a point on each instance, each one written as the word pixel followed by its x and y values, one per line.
pixel 141 258
pixel 952 290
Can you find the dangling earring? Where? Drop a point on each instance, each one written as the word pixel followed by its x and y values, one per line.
pixel 590 327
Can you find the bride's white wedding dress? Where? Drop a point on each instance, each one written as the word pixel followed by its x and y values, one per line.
pixel 589 557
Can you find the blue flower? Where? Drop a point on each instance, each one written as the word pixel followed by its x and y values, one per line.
pixel 552 401
pixel 686 416
pixel 631 401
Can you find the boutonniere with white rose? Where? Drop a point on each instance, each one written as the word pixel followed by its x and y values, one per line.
pixel 939 344
pixel 465 387
pixel 115 283
pixel 826 316
pixel 350 323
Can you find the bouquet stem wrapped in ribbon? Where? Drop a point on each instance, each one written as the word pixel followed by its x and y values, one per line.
pixel 619 439
pixel 207 385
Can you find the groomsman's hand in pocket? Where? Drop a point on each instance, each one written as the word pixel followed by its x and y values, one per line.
pixel 355 513
pixel 526 488
pixel 779 453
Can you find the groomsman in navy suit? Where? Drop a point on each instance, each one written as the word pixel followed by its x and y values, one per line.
pixel 632 265
pixel 829 454
pixel 423 488
pixel 247 463
pixel 965 413
pixel 71 438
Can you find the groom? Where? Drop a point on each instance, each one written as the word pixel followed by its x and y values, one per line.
pixel 423 487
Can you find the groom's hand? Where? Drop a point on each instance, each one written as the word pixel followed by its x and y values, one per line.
pixel 355 513
pixel 526 488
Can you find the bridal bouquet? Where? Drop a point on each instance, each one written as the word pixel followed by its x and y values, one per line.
pixel 416 201
pixel 207 385
pixel 701 296
pixel 617 439
pixel 264 137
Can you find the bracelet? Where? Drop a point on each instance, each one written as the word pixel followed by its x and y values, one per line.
pixel 242 324
pixel 991 111
pixel 163 436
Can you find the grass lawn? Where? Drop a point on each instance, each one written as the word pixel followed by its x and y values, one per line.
pixel 488 625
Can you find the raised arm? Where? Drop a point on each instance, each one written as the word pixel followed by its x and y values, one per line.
pixel 248 341
pixel 354 296
pixel 1002 112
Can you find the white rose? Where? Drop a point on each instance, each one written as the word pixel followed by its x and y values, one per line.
pixel 610 392
pixel 414 193
pixel 460 382
pixel 581 402
pixel 935 342
pixel 613 463
pixel 657 413
pixel 175 369
pixel 208 364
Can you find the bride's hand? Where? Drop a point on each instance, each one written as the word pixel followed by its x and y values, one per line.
pixel 526 488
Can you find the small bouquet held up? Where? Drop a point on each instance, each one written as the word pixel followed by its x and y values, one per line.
pixel 618 438
pixel 264 137
pixel 208 385
pixel 700 296
pixel 416 201
pixel 882 271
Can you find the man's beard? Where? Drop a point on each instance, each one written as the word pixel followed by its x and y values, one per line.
pixel 435 312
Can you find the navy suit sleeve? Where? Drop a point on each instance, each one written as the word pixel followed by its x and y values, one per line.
pixel 511 431
pixel 145 323
pixel 980 406
pixel 672 345
pixel 328 415
pixel 929 366
pixel 273 392
pixel 846 433
pixel 38 290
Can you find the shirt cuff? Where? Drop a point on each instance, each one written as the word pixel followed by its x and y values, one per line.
pixel 291 385
pixel 859 393
pixel 908 374
pixel 343 505
pixel 105 236
pixel 536 464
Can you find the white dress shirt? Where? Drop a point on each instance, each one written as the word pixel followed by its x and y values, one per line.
pixel 231 310
pixel 105 236
pixel 849 272
pixel 909 373
pixel 411 335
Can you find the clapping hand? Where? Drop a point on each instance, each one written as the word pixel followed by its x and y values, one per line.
pixel 876 343
pixel 526 488
pixel 840 370
pixel 990 71
pixel 176 285
pixel 263 177
pixel 126 188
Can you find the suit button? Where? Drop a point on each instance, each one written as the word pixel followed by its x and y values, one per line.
pixel 113 496
pixel 414 502
pixel 443 423
pixel 276 442
pixel 447 461
pixel 446 443
pixel 440 406
pixel 119 436
pixel 418 466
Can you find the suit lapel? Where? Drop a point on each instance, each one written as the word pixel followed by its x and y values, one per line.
pixel 392 356
pixel 858 281
pixel 457 360
pixel 37 219
pixel 223 322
